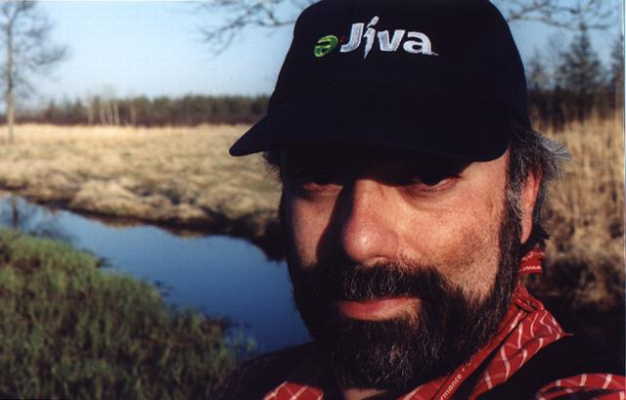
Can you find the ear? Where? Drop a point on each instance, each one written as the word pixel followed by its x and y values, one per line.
pixel 528 199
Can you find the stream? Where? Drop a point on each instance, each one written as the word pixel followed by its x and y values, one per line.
pixel 219 275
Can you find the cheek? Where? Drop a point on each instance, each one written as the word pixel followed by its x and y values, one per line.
pixel 478 260
pixel 304 224
pixel 463 245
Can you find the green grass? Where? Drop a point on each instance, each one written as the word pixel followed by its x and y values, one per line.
pixel 68 329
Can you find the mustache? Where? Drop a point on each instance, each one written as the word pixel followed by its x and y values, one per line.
pixel 354 282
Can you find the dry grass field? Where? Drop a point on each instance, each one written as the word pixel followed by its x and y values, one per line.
pixel 183 177
pixel 585 213
pixel 584 279
pixel 176 177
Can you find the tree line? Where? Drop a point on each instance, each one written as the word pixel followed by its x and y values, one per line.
pixel 188 110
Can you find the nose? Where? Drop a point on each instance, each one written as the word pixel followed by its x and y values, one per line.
pixel 367 222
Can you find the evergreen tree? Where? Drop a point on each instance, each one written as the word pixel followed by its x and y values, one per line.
pixel 581 73
pixel 537 74
pixel 616 81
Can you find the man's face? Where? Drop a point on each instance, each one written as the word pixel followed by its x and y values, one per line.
pixel 402 263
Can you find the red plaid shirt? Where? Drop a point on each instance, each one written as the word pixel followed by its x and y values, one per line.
pixel 527 328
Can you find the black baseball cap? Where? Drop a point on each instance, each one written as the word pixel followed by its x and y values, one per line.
pixel 439 76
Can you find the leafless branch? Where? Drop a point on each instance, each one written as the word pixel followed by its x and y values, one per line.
pixel 568 14
pixel 231 17
pixel 242 14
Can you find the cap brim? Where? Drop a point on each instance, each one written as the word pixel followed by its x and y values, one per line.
pixel 475 131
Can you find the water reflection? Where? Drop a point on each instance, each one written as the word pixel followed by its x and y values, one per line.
pixel 220 275
pixel 30 218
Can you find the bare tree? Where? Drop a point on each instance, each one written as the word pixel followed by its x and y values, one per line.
pixel 25 34
pixel 239 14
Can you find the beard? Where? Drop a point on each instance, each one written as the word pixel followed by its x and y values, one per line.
pixel 445 330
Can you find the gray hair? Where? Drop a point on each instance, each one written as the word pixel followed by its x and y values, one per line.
pixel 532 153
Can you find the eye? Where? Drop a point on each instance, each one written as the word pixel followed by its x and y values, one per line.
pixel 311 179
pixel 317 177
pixel 427 177
pixel 433 184
pixel 437 179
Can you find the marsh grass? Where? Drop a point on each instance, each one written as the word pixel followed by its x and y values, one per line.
pixel 71 330
pixel 583 281
pixel 585 213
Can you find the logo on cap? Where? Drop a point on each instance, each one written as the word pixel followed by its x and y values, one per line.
pixel 325 45
pixel 414 42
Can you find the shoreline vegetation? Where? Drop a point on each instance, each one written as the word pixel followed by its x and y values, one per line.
pixel 73 330
pixel 183 178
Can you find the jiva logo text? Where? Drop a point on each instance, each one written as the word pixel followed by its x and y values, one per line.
pixel 412 42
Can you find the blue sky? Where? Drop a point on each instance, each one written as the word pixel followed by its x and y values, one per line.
pixel 153 48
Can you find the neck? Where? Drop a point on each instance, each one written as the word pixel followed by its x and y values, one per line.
pixel 362 394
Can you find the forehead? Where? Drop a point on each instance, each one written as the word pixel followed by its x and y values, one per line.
pixel 364 156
